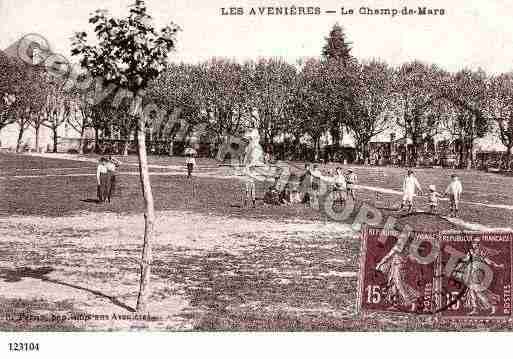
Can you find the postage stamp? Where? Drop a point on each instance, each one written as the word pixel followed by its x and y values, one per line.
pixel 391 279
pixel 451 275
pixel 475 275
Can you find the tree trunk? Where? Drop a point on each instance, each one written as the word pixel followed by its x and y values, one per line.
pixel 365 153
pixel 149 219
pixel 508 157
pixel 96 138
pixel 317 145
pixel 297 147
pixel 55 139
pixel 20 136
pixel 335 137
pixel 82 140
pixel 126 144
pixel 470 154
pixel 37 127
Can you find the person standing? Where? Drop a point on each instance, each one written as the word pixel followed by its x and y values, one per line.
pixel 306 184
pixel 190 161
pixel 111 165
pixel 103 180
pixel 410 186
pixel 433 199
pixel 340 185
pixel 315 177
pixel 454 190
pixel 351 182
pixel 253 159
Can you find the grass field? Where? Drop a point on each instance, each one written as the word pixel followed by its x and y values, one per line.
pixel 216 267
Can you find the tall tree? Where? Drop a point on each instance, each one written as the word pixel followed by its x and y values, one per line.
pixel 467 91
pixel 337 46
pixel 416 89
pixel 30 100
pixel 340 63
pixel 372 98
pixel 311 102
pixel 130 54
pixel 56 110
pixel 226 97
pixel 179 95
pixel 500 109
pixel 81 114
pixel 272 82
pixel 10 89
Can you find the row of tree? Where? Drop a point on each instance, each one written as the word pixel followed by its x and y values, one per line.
pixel 327 97
pixel 316 98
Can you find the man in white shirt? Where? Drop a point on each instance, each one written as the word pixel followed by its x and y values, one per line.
pixel 410 186
pixel 454 190
pixel 103 180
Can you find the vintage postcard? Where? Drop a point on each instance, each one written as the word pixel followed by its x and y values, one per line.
pixel 255 166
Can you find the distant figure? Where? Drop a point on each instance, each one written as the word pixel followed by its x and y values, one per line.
pixel 340 187
pixel 286 196
pixel 272 196
pixel 433 199
pixel 454 190
pixel 103 180
pixel 316 178
pixel 253 158
pixel 351 182
pixel 190 162
pixel 306 184
pixel 111 165
pixel 410 186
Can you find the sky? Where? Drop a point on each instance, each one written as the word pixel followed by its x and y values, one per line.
pixel 471 33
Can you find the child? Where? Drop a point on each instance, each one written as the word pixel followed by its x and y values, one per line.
pixel 286 195
pixel 454 190
pixel 272 196
pixel 433 198
pixel 190 162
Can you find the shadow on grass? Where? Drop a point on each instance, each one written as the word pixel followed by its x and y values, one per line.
pixel 296 282
pixel 90 200
pixel 18 274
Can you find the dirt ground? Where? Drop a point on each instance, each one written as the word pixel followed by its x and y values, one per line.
pixel 69 263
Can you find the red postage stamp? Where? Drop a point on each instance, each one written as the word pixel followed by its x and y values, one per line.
pixel 392 280
pixel 474 275
pixel 453 275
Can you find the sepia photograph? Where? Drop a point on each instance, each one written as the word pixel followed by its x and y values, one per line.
pixel 255 167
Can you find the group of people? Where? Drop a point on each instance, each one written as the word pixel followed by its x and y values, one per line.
pixel 106 178
pixel 312 185
pixel 453 191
